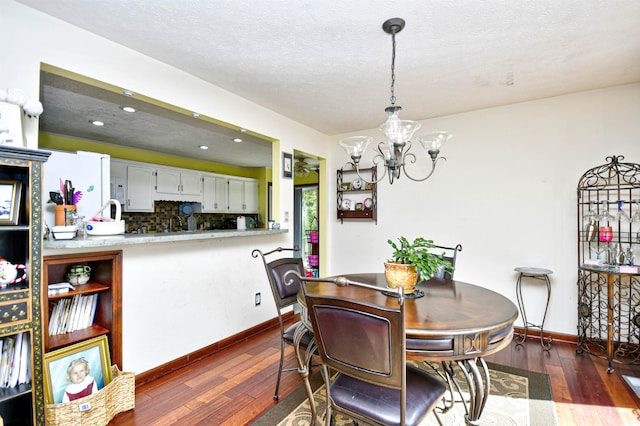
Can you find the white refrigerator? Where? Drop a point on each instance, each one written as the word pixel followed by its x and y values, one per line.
pixel 88 171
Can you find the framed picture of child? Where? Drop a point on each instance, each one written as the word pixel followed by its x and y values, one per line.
pixel 76 371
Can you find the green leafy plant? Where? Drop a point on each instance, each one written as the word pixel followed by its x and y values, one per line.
pixel 417 253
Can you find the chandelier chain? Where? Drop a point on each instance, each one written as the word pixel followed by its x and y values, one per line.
pixel 393 69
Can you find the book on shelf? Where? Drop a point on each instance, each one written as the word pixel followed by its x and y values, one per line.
pixel 15 360
pixel 24 371
pixel 72 313
pixel 7 351
pixel 14 365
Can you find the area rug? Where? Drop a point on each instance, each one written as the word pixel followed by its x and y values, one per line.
pixel 634 384
pixel 518 397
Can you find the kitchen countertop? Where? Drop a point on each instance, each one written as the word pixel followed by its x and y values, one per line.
pixel 159 237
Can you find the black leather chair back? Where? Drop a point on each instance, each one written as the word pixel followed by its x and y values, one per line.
pixel 361 340
pixel 285 291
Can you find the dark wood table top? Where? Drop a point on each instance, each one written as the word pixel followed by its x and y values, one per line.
pixel 453 320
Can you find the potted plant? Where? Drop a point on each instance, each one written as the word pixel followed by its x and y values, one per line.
pixel 412 260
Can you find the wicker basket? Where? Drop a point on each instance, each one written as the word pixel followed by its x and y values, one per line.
pixel 114 398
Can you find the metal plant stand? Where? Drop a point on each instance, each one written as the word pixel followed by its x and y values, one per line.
pixel 537 274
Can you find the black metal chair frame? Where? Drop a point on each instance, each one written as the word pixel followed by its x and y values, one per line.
pixel 285 293
pixel 451 257
pixel 365 374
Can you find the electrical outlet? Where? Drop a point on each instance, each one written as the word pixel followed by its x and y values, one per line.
pixel 258 299
pixel 286 216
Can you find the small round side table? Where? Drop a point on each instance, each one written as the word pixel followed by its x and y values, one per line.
pixel 538 274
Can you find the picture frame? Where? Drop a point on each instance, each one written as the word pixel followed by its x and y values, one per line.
pixel 368 186
pixel 345 186
pixel 11 125
pixel 287 165
pixel 92 354
pixel 10 195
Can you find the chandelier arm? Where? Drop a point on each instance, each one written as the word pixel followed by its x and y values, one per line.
pixel 433 169
pixel 354 166
pixel 376 162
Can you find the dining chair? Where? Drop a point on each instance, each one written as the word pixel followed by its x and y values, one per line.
pixel 450 254
pixel 365 344
pixel 285 295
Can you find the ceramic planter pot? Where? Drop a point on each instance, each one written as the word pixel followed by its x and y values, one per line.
pixel 398 274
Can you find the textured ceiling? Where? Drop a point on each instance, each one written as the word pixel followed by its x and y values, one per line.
pixel 326 63
pixel 70 106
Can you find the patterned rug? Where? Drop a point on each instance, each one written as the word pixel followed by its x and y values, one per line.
pixel 518 397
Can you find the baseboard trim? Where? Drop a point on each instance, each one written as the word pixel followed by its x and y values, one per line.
pixel 535 333
pixel 195 356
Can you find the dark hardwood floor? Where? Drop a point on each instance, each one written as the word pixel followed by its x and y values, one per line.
pixel 236 385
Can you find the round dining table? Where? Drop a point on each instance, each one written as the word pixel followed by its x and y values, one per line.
pixel 452 323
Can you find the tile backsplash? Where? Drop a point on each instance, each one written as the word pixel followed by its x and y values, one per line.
pixel 164 210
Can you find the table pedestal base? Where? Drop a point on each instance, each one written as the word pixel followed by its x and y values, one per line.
pixel 476 374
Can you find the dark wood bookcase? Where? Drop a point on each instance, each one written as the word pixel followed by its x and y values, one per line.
pixel 21 244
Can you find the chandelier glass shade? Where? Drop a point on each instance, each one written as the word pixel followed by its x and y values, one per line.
pixel 395 153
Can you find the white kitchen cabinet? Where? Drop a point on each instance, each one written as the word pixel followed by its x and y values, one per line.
pixel 251 196
pixel 236 196
pixel 243 196
pixel 140 183
pixel 191 183
pixel 178 185
pixel 167 181
pixel 214 194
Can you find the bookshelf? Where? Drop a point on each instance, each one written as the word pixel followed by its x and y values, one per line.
pixel 20 318
pixel 105 282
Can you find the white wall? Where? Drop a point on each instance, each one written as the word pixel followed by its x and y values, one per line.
pixel 507 193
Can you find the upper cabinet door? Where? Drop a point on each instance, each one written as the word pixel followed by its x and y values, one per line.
pixel 167 181
pixel 251 196
pixel 191 183
pixel 140 182
pixel 208 194
pixel 236 196
pixel 222 195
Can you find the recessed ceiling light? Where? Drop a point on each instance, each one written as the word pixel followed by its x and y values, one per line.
pixel 237 140
pixel 128 109
pixel 96 122
pixel 195 115
pixel 243 130
pixel 203 147
pixel 128 93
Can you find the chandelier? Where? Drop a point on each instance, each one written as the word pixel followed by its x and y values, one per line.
pixel 394 153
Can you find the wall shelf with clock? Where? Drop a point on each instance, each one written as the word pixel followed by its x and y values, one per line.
pixel 357 198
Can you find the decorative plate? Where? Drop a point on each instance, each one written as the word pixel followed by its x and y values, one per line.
pixel 368 203
pixel 346 204
pixel 358 184
pixel 186 209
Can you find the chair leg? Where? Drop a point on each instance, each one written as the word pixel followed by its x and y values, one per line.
pixel 275 396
